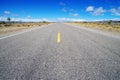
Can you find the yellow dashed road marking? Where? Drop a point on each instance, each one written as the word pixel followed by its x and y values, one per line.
pixel 58 38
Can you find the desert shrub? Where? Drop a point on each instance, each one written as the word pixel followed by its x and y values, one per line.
pixel 84 22
pixel 18 25
pixel 44 22
pixel 110 28
pixel 109 22
pixel 2 22
pixel 28 25
pixel 7 24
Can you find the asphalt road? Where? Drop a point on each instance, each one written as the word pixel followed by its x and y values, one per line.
pixel 81 55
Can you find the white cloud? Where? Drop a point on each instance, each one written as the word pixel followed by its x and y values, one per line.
pixel 72 10
pixel 7 12
pixel 45 19
pixel 96 11
pixel 69 19
pixel 115 11
pixel 99 11
pixel 68 10
pixel 29 20
pixel 64 9
pixel 90 8
pixel 55 19
pixel 75 14
pixel 62 4
pixel 15 15
pixel 28 16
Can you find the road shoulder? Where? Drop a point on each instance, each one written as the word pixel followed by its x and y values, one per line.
pixel 113 34
pixel 20 31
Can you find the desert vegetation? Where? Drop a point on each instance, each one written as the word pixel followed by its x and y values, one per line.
pixel 9 25
pixel 106 25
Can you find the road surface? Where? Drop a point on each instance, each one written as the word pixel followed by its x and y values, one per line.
pixel 80 54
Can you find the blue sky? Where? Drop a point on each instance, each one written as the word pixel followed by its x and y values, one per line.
pixel 60 10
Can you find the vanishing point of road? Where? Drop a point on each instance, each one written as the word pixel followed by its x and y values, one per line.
pixel 60 52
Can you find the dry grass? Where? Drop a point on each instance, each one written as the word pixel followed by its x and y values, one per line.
pixel 97 25
pixel 5 28
pixel 10 29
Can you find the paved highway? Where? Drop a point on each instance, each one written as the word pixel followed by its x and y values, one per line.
pixel 60 52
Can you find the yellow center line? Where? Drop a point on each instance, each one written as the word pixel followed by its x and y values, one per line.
pixel 58 37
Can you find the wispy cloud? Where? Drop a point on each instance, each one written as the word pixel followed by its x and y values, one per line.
pixel 7 12
pixel 62 19
pixel 90 8
pixel 28 16
pixel 4 15
pixel 70 11
pixel 64 9
pixel 30 20
pixel 99 11
pixel 49 20
pixel 95 11
pixel 69 19
pixel 115 11
pixel 74 14
pixel 15 15
pixel 62 3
